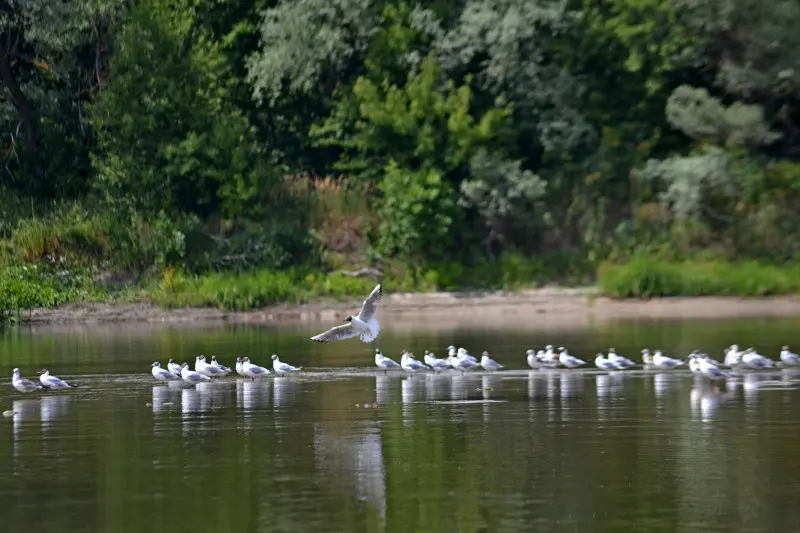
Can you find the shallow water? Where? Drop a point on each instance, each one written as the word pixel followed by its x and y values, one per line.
pixel 343 447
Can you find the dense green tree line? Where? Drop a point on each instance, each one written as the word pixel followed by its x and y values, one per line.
pixel 199 132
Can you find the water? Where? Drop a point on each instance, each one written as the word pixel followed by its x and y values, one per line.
pixel 344 447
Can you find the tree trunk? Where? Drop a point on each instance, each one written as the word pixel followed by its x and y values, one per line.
pixel 24 109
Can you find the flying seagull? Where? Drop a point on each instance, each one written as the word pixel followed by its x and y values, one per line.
pixel 364 324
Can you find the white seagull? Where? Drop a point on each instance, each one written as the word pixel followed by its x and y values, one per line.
pixel 363 325
pixel 788 358
pixel 252 370
pixel 569 361
pixel 410 364
pixel 201 367
pixel 709 369
pixel 434 362
pixel 606 364
pixel 217 364
pixel 381 361
pixel 239 367
pixel 661 361
pixel 488 363
pixel 463 362
pixel 282 368
pixel 51 382
pixel 190 376
pixel 22 384
pixel 174 367
pixel 622 362
pixel 533 360
pixel 162 374
pixel 753 359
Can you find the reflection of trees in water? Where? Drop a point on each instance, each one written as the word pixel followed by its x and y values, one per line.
pixel 354 462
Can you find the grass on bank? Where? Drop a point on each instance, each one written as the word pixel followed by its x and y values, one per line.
pixel 647 277
pixel 261 288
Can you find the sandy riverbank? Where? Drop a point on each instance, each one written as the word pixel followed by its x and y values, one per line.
pixel 547 305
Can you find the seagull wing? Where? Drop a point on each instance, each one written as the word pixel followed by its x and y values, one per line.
pixel 370 306
pixel 345 331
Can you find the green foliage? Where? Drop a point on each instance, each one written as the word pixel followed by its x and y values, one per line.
pixel 703 117
pixel 140 137
pixel 649 277
pixel 418 212
pixel 168 139
pixel 31 286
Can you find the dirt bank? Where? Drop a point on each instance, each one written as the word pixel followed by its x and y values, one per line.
pixel 545 307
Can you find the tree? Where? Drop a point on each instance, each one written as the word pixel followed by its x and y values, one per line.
pixel 40 42
pixel 168 138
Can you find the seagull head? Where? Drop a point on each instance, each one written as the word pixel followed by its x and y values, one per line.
pixel 247 359
pixel 275 356
pixel 214 358
pixel 156 364
pixel 485 353
pixel 612 350
pixel 16 371
pixel 238 359
pixel 377 350
pixel 44 372
pixel 784 347
pixel 199 358
pixel 171 360
pixel 185 365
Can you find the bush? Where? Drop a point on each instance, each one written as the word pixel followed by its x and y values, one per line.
pixel 648 277
pixel 31 286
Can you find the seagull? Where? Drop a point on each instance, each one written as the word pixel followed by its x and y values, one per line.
pixel 606 364
pixel 753 359
pixel 22 384
pixel 282 368
pixel 201 367
pixel 252 370
pixel 381 361
pixel 216 363
pixel 788 358
pixel 463 363
pixel 162 374
pixel 569 361
pixel 190 376
pixel 434 362
pixel 464 354
pixel 363 325
pixel 709 369
pixel 660 361
pixel 533 360
pixel 409 363
pixel 239 367
pixel 733 357
pixel 647 359
pixel 174 367
pixel 488 363
pixel 51 382
pixel 622 362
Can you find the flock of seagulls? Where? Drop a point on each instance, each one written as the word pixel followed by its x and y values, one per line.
pixel 205 371
pixel 697 362
pixel 46 381
pixel 366 327
pixel 457 360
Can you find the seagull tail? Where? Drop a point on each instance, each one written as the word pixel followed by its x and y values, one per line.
pixel 374 329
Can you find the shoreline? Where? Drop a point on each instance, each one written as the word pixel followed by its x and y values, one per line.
pixel 555 306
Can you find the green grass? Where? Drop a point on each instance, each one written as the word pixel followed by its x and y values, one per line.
pixel 262 288
pixel 42 286
pixel 647 277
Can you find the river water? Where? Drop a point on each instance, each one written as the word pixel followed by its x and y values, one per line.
pixel 343 447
